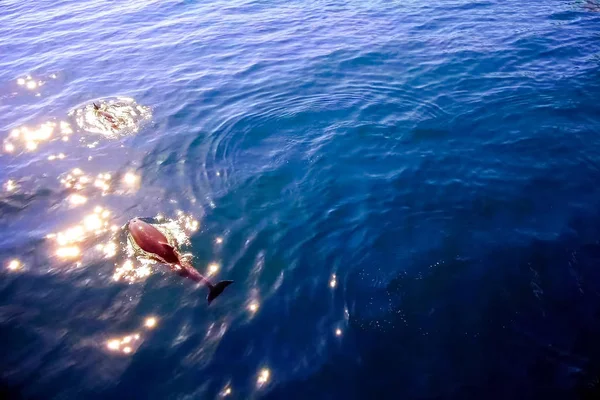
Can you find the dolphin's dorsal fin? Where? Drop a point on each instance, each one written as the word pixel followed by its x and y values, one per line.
pixel 167 246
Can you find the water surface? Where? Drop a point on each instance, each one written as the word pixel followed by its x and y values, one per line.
pixel 405 194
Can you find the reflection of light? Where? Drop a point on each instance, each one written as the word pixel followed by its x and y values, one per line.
pixel 130 178
pixel 263 377
pixel 78 180
pixel 129 271
pixel 31 138
pixel 253 306
pixel 68 252
pixel 219 240
pixel 101 185
pixel 187 221
pixel 10 185
pixel 110 250
pixel 338 332
pixel 31 85
pixel 213 268
pixel 126 344
pixel 65 128
pixel 143 271
pixel 102 182
pixel 150 322
pixel 227 391
pixel 53 157
pixel 14 265
pixel 333 281
pixel 113 344
pixel 77 199
pixel 92 222
pixel 128 265
pixel 20 81
pixel 191 224
pixel 71 235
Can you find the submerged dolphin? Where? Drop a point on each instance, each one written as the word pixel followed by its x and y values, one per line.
pixel 152 241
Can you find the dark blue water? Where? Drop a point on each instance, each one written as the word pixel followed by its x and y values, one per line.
pixel 405 193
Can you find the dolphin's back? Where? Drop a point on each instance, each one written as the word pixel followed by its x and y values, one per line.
pixel 152 241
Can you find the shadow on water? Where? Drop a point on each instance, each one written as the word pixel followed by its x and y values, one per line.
pixel 514 322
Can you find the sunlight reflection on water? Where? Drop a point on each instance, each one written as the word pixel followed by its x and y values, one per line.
pixel 28 139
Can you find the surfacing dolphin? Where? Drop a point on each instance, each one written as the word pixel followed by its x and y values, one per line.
pixel 152 241
pixel 109 117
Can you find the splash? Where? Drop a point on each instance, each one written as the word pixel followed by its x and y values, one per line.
pixel 176 231
pixel 111 118
pixel 133 270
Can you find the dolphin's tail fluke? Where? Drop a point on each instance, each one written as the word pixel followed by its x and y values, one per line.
pixel 216 290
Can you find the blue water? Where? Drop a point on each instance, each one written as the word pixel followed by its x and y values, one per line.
pixel 405 193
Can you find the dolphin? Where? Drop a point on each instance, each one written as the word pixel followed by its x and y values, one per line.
pixel 110 118
pixel 152 241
